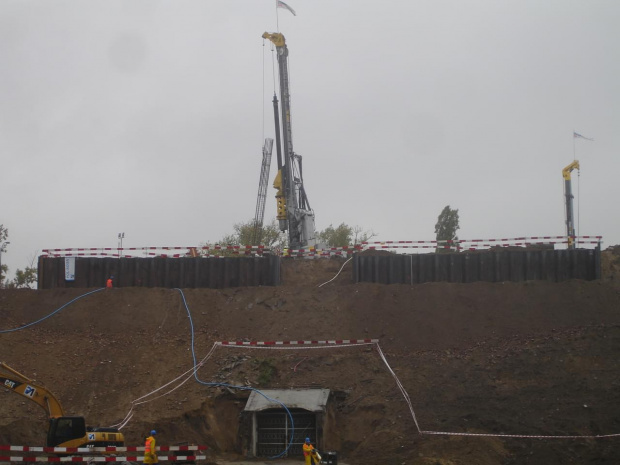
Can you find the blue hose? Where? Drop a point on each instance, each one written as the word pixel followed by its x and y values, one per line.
pixel 245 388
pixel 2 331
pixel 189 315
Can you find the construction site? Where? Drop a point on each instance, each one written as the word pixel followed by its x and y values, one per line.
pixel 470 352
pixel 532 359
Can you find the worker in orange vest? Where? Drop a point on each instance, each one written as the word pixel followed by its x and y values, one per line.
pixel 310 453
pixel 108 283
pixel 150 454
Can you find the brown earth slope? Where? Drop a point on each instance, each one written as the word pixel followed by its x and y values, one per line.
pixel 530 358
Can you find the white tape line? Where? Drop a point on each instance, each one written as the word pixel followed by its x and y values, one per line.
pixel 518 436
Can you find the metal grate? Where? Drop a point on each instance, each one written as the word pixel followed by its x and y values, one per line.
pixel 274 431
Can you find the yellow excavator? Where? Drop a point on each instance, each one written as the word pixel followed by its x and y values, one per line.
pixel 64 431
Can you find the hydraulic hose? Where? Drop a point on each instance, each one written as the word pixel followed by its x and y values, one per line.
pixel 2 331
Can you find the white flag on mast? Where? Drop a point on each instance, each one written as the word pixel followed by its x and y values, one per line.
pixel 579 136
pixel 280 4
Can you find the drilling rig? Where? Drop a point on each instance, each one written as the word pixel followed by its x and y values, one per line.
pixel 293 208
pixel 568 194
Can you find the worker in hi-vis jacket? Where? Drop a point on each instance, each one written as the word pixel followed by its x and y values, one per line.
pixel 150 454
pixel 310 453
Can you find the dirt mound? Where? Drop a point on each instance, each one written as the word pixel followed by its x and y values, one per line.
pixel 610 265
pixel 531 358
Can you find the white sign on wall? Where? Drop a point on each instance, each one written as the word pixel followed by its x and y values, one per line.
pixel 70 269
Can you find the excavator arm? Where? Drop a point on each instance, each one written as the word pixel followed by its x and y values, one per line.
pixel 63 431
pixel 26 387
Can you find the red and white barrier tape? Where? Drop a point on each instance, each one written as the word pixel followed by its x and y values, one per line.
pixel 505 239
pixel 150 254
pixel 319 252
pixel 341 343
pixel 478 246
pixel 299 343
pixel 213 247
pixel 171 458
pixel 75 450
pixel 460 244
pixel 334 343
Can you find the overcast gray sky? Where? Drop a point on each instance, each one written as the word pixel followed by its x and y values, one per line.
pixel 146 117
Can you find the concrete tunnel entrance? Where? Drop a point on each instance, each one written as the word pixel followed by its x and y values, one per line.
pixel 269 426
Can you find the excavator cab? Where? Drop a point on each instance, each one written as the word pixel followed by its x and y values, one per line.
pixel 65 429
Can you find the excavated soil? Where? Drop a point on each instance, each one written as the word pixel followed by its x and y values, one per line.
pixel 533 358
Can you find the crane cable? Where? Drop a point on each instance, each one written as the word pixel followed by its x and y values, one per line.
pixel 263 92
pixel 290 86
pixel 273 66
pixel 273 73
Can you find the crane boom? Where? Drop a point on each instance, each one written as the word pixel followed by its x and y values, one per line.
pixel 568 194
pixel 294 212
pixel 259 216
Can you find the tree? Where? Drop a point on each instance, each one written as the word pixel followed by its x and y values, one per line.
pixel 4 235
pixel 27 277
pixel 359 235
pixel 344 235
pixel 336 237
pixel 446 227
pixel 244 233
pixel 270 234
pixel 24 279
